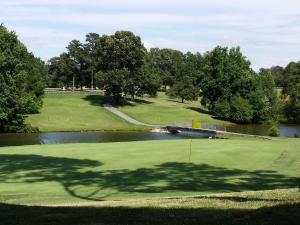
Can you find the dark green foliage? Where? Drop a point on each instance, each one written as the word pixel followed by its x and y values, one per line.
pixel 273 132
pixel 240 110
pixel 226 73
pixel 232 90
pixel 279 75
pixel 264 99
pixel 112 82
pixel 292 92
pixel 165 62
pixel 292 110
pixel 222 108
pixel 20 81
pixel 184 89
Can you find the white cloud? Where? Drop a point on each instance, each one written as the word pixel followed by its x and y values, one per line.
pixel 267 30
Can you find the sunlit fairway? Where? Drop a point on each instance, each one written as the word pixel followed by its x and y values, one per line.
pixel 76 112
pixel 164 110
pixel 45 174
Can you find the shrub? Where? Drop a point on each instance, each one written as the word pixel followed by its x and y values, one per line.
pixel 240 110
pixel 273 132
pixel 222 109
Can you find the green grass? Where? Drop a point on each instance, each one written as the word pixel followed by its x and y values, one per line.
pixel 73 173
pixel 76 112
pixel 256 208
pixel 163 110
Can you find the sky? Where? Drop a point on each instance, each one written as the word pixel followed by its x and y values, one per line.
pixel 268 31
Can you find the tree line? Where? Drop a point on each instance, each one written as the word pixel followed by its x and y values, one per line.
pixel 120 65
pixel 288 79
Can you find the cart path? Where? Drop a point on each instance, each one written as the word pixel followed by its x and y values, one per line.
pixel 129 119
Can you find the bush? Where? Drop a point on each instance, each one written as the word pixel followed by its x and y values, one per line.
pixel 222 109
pixel 240 110
pixel 273 132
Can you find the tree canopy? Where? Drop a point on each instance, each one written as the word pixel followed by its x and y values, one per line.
pixel 21 82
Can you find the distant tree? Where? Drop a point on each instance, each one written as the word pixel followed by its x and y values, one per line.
pixel 166 63
pixel 80 58
pixel 226 73
pixel 184 89
pixel 264 99
pixel 62 71
pixel 112 82
pixel 292 91
pixel 278 74
pixel 185 84
pixel 240 110
pixel 92 57
pixel 232 90
pixel 222 109
pixel 21 82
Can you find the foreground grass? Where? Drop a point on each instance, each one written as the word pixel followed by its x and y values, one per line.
pixel 261 207
pixel 163 110
pixel 76 112
pixel 78 173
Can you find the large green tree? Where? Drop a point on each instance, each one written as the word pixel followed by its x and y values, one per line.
pixel 21 86
pixel 232 90
pixel 226 73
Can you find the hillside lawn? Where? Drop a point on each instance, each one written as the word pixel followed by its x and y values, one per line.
pixel 84 112
pixel 77 112
pixel 164 110
pixel 70 173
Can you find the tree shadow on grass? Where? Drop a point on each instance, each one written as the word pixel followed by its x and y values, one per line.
pixel 200 110
pixel 284 214
pixel 100 100
pixel 85 179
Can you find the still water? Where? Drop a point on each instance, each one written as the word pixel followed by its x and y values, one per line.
pixel 81 137
pixel 98 137
pixel 285 130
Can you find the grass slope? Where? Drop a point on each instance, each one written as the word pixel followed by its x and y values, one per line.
pixel 76 112
pixel 163 110
pixel 263 207
pixel 45 174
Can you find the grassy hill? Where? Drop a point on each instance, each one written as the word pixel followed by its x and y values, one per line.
pixel 80 112
pixel 164 110
pixel 71 173
pixel 77 112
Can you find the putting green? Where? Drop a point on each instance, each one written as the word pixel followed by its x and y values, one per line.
pixel 88 172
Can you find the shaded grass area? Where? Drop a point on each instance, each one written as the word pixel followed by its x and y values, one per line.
pixel 163 110
pixel 77 112
pixel 267 207
pixel 94 172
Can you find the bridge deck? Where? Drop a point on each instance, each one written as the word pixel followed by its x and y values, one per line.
pixel 173 129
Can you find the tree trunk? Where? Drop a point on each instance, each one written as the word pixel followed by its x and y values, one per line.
pixel 73 83
pixel 182 100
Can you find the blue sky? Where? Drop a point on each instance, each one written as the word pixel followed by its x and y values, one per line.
pixel 268 31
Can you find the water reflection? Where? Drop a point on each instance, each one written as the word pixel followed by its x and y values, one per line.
pixel 81 137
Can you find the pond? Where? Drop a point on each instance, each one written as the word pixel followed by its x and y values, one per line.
pixel 82 137
pixel 110 136
pixel 285 130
